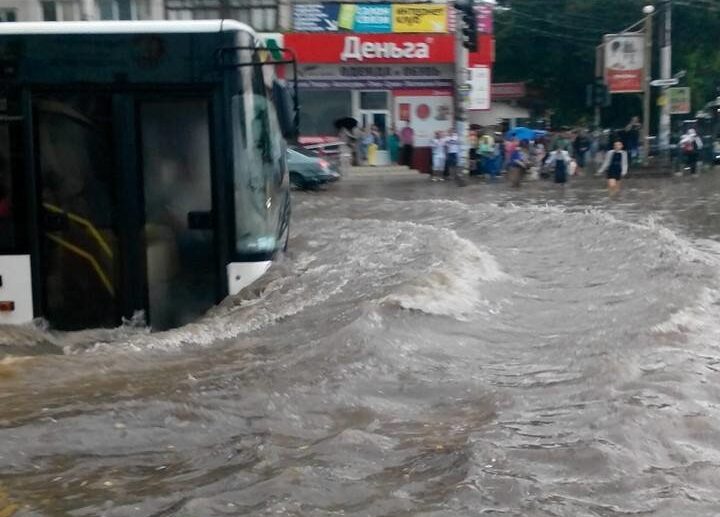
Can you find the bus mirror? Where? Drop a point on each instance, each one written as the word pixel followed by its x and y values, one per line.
pixel 287 110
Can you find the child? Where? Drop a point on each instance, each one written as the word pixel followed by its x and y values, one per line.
pixel 438 156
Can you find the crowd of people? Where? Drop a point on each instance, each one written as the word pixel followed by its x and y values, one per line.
pixel 556 156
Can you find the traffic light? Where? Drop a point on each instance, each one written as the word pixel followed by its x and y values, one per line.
pixel 468 23
pixel 597 94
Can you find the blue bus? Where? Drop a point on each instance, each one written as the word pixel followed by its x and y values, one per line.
pixel 142 168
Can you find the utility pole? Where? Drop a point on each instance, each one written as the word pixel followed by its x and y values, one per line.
pixel 599 64
pixel 461 94
pixel 465 41
pixel 645 139
pixel 665 72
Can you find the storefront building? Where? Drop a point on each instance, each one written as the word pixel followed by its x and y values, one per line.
pixel 387 65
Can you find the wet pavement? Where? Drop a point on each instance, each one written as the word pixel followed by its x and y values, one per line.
pixel 423 350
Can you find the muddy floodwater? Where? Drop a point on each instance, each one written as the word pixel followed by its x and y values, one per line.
pixel 422 350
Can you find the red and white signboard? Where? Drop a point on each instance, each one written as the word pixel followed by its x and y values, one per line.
pixel 427 111
pixel 624 62
pixel 485 54
pixel 371 48
pixel 507 91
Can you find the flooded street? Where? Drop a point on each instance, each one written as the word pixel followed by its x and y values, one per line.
pixel 423 350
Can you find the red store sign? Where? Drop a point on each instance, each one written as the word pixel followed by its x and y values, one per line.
pixel 381 48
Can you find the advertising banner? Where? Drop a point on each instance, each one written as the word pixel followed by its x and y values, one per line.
pixel 371 48
pixel 315 17
pixel 370 18
pixel 334 17
pixel 419 18
pixel 624 62
pixel 369 77
pixel 479 97
pixel 427 111
pixel 679 99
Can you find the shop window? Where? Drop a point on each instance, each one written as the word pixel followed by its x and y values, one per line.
pixel 321 108
pixel 373 100
pixel 60 11
pixel 8 15
pixel 124 9
pixel 260 14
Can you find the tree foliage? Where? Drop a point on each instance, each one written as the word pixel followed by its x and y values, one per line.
pixel 551 45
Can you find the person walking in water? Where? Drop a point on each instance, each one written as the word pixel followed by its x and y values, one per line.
pixel 616 166
pixel 407 139
pixel 691 143
pixel 518 163
pixel 559 163
pixel 438 156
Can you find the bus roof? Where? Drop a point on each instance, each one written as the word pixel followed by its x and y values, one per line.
pixel 123 27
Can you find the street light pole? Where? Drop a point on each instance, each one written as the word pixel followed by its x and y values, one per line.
pixel 648 10
pixel 666 73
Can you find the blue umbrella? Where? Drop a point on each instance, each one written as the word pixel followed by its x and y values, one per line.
pixel 524 133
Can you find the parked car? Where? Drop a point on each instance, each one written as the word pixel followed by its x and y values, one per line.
pixel 308 170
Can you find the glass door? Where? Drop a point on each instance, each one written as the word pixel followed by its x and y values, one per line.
pixel 179 236
pixel 79 210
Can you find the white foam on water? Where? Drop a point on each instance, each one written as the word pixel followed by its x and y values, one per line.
pixel 452 285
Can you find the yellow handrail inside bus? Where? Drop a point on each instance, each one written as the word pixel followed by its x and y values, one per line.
pixel 87 224
pixel 87 256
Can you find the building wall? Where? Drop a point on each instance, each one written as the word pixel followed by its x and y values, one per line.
pixel 26 10
pixel 31 10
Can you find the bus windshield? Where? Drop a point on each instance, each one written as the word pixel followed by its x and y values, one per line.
pixel 260 164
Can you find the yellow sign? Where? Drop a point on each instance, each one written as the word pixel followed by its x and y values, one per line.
pixel 419 18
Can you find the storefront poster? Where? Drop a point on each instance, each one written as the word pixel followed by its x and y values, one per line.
pixel 479 95
pixel 426 111
pixel 419 18
pixel 624 62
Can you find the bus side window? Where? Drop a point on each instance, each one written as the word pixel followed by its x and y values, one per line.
pixel 7 230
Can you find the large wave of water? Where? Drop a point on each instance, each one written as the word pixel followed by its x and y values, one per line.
pixel 425 358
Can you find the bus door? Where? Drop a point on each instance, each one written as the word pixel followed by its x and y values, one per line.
pixel 78 221
pixel 179 237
